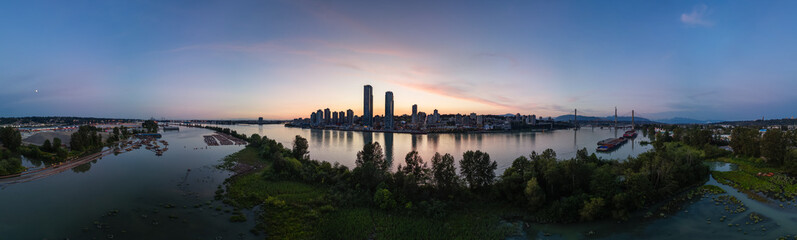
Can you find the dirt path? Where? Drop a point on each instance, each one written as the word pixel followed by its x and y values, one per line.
pixel 52 169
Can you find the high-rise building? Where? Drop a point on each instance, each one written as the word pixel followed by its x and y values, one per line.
pixel 334 117
pixel 436 118
pixel 414 113
pixel 319 117
pixel 327 116
pixel 349 117
pixel 342 117
pixel 260 120
pixel 312 118
pixel 421 119
pixel 389 110
pixel 368 106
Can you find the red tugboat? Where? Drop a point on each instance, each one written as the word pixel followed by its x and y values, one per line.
pixel 630 134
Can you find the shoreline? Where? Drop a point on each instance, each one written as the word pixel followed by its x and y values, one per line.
pixel 40 173
pixel 418 132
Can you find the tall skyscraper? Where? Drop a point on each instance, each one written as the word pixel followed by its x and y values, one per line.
pixel 334 117
pixel 327 116
pixel 368 106
pixel 319 117
pixel 414 113
pixel 349 117
pixel 389 110
pixel 312 118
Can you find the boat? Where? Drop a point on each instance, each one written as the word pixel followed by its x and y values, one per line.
pixel 605 141
pixel 630 134
pixel 611 144
pixel 602 148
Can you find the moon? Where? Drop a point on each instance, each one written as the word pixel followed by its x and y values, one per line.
pixel 36 91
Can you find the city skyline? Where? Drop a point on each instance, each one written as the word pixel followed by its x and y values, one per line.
pixel 282 59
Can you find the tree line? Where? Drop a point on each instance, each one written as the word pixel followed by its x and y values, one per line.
pixel 775 147
pixel 10 163
pixel 548 189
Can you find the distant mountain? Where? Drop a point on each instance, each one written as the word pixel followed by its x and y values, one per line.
pixel 680 120
pixel 569 117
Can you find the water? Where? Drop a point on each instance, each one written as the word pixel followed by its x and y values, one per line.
pixel 342 146
pixel 722 166
pixel 137 184
pixel 690 222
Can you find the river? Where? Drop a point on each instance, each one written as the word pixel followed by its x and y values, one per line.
pixel 83 203
pixel 128 196
pixel 342 146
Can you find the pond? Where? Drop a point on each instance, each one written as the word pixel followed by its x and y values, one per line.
pixel 722 166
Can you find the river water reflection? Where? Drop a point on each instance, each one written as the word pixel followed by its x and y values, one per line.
pixel 158 198
pixel 82 203
pixel 342 146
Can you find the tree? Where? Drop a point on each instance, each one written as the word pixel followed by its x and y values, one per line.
pixel 11 166
pixel 534 194
pixel 56 144
pixel 11 138
pixel 371 167
pixel 255 140
pixel 477 169
pixel 592 209
pixel 286 167
pixel 444 173
pixel 300 147
pixel 677 133
pixel 652 133
pixel 85 138
pixel 47 146
pixel 774 147
pixel 415 167
pixel 151 126
pixel 745 141
pixel 124 131
pixel 384 199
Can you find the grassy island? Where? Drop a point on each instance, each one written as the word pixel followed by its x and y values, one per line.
pixel 302 198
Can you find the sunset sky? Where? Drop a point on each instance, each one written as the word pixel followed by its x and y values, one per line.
pixel 726 60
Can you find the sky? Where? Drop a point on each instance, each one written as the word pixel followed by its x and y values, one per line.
pixel 708 60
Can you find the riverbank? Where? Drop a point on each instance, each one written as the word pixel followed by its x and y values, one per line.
pixel 541 128
pixel 52 169
pixel 759 180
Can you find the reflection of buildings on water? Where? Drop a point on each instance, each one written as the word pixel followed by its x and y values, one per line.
pixel 458 140
pixel 478 138
pixel 415 139
pixel 327 137
pixel 317 137
pixel 389 148
pixel 368 137
pixel 349 139
pixel 433 139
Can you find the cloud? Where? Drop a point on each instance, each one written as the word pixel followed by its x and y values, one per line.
pixel 449 90
pixel 697 16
